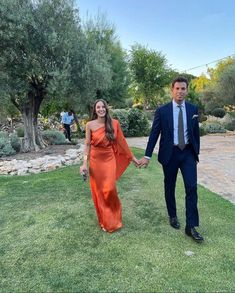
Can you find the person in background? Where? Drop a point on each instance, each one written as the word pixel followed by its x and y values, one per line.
pixel 67 120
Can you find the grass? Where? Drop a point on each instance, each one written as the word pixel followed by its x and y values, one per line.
pixel 50 240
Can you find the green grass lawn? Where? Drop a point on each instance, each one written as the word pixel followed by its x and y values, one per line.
pixel 50 240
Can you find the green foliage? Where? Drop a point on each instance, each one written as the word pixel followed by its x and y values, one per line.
pixel 211 102
pixel 230 125
pixel 102 33
pixel 226 85
pixel 194 97
pixel 213 127
pixel 122 116
pixel 218 112
pixel 134 122
pixel 219 90
pixel 149 71
pixel 54 137
pixel 15 142
pixel 138 123
pixel 5 145
pixel 202 131
pixel 20 131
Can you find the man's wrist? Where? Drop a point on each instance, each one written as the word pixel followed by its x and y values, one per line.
pixel 146 157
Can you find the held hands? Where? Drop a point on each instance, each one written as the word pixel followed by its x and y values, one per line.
pixel 140 163
pixel 143 162
pixel 135 161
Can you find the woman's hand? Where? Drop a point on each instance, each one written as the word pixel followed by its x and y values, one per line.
pixel 136 162
pixel 83 169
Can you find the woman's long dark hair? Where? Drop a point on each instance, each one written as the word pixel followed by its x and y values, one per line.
pixel 109 131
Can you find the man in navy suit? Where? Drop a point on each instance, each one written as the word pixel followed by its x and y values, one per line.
pixel 178 124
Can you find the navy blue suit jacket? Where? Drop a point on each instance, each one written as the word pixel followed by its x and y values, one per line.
pixel 163 124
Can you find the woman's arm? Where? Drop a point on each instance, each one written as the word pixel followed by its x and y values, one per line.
pixel 86 154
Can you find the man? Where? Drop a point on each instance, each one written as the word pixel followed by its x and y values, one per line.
pixel 67 120
pixel 178 124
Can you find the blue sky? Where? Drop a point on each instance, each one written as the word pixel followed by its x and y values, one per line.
pixel 189 33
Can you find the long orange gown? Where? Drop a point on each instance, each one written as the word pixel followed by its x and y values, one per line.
pixel 108 160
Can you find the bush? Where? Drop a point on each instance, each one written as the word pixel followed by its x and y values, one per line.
pixel 202 131
pixel 138 123
pixel 54 137
pixel 230 125
pixel 218 112
pixel 213 127
pixel 134 122
pixel 150 114
pixel 15 142
pixel 122 116
pixel 20 131
pixel 5 145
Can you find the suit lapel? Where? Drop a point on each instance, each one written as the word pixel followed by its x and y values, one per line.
pixel 189 115
pixel 170 118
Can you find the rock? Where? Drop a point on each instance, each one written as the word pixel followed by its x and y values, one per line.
pixel 45 163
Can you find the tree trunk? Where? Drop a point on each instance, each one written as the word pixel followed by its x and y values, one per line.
pixel 32 137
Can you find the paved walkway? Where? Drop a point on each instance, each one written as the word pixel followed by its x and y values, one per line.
pixel 216 170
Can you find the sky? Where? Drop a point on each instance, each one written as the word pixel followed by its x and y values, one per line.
pixel 190 33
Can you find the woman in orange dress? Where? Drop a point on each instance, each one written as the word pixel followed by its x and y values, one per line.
pixel 109 155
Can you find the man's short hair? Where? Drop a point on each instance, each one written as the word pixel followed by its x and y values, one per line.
pixel 179 79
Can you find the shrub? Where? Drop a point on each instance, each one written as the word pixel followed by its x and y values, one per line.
pixel 138 123
pixel 15 142
pixel 218 112
pixel 150 114
pixel 202 131
pixel 5 145
pixel 122 116
pixel 54 137
pixel 20 131
pixel 230 125
pixel 213 127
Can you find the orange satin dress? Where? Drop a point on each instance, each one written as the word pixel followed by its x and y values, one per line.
pixel 108 160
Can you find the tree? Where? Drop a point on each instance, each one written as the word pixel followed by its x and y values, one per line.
pixel 150 73
pixel 219 90
pixel 101 32
pixel 200 83
pixel 214 73
pixel 37 39
pixel 226 85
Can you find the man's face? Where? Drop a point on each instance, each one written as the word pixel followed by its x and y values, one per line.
pixel 179 91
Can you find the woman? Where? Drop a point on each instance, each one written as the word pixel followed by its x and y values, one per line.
pixel 109 156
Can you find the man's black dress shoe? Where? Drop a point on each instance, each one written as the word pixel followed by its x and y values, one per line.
pixel 174 223
pixel 192 232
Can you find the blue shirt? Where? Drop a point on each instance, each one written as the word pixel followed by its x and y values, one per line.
pixel 176 111
pixel 67 119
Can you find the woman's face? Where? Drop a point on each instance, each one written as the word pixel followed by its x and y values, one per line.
pixel 100 109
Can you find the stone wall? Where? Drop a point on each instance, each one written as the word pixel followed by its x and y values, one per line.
pixel 45 163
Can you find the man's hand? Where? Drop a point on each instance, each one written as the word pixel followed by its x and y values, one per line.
pixel 144 162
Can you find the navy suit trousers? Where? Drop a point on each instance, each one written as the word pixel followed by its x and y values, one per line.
pixel 185 161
